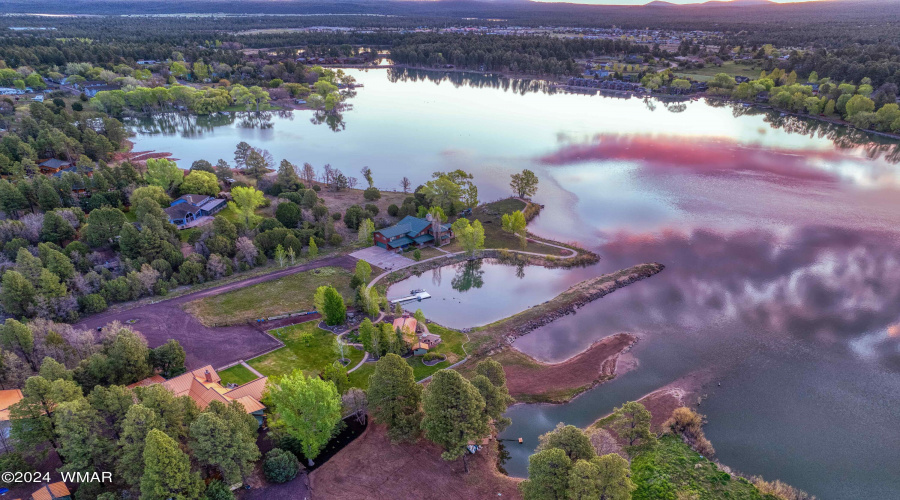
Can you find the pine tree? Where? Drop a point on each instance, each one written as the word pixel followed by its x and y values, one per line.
pixel 548 475
pixel 223 438
pixel 167 470
pixel 454 414
pixel 394 398
pixel 139 420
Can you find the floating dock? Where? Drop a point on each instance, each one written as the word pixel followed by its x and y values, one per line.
pixel 417 295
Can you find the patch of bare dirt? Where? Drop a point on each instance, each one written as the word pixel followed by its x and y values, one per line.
pixel 371 467
pixel 530 380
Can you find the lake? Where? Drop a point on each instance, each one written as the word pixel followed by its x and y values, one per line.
pixel 480 292
pixel 779 236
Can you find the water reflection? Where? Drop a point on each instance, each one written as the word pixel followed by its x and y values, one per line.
pixel 458 79
pixel 485 290
pixel 469 276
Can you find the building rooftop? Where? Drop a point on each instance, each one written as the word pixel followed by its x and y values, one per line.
pixel 8 398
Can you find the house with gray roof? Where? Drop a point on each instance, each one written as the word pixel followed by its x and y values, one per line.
pixel 190 207
pixel 413 232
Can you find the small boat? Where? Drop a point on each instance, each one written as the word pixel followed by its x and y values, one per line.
pixel 417 290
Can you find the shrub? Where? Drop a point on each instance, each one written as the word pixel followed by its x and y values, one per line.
pixel 393 210
pixel 217 490
pixel 77 106
pixel 372 194
pixel 317 188
pixel 432 356
pixel 372 209
pixel 336 240
pixel 417 254
pixel 336 216
pixel 292 197
pixel 269 224
pixel 353 217
pixel 92 303
pixel 280 466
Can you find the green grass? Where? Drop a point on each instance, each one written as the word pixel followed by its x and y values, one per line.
pixel 185 234
pixel 237 374
pixel 711 70
pixel 451 346
pixel 360 378
pixel 285 295
pixel 490 215
pixel 673 468
pixel 307 347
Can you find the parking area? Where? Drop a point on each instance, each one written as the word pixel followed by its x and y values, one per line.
pixel 379 257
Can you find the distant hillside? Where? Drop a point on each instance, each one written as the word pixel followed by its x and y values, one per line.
pixel 827 22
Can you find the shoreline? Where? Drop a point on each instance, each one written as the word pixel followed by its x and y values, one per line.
pixel 533 382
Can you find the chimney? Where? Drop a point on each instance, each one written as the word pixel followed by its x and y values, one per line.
pixel 208 376
pixel 428 217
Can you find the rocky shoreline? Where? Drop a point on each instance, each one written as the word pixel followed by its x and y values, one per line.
pixel 570 301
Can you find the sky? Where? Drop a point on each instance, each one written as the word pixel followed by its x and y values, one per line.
pixel 642 2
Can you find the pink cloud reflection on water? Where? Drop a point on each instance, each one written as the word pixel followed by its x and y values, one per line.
pixel 701 155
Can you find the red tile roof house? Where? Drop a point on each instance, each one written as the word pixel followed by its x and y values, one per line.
pixel 204 386
pixel 413 231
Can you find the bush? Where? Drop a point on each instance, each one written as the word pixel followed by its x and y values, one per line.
pixel 353 217
pixel 77 106
pixel 269 224
pixel 92 303
pixel 336 216
pixel 417 254
pixel 280 466
pixel 372 209
pixel 336 240
pixel 372 194
pixel 432 356
pixel 289 214
pixel 393 210
pixel 217 490
pixel 292 197
pixel 317 188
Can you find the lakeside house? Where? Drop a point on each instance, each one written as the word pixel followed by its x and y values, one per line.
pixel 191 207
pixel 204 386
pixel 413 232
pixel 407 326
pixel 54 166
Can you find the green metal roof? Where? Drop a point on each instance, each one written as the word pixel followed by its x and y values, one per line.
pixel 425 238
pixel 399 242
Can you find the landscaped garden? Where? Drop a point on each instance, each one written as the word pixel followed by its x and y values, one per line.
pixel 285 295
pixel 307 347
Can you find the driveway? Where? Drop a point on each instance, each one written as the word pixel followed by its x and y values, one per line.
pixel 382 258
pixel 204 345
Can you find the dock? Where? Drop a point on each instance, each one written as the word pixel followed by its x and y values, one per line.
pixel 417 295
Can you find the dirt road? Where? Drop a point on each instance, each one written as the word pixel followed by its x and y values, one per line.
pixel 218 347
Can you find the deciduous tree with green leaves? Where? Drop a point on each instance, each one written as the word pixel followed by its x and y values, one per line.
pixel 163 173
pixel 306 409
pixel 515 223
pixel 469 235
pixel 524 184
pixel 246 201
pixel 572 440
pixel 200 182
pixel 223 438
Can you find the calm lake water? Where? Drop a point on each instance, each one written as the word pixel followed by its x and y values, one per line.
pixel 476 293
pixel 779 236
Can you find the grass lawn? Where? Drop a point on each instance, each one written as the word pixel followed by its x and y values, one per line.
pixel 185 234
pixel 708 72
pixel 451 346
pixel 427 253
pixel 237 374
pixel 289 294
pixel 307 347
pixel 490 215
pixel 360 378
pixel 672 468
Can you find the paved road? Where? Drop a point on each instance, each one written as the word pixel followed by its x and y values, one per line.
pixel 218 347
